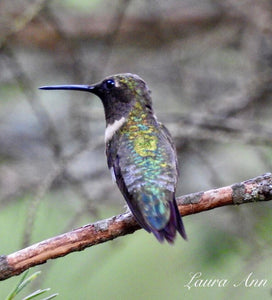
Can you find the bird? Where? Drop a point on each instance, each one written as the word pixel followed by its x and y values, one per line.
pixel 140 153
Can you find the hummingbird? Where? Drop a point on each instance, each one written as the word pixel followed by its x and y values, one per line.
pixel 140 153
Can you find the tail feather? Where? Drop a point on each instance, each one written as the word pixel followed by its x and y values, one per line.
pixel 167 233
pixel 179 223
pixel 174 224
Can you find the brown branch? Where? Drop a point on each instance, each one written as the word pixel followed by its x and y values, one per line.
pixel 252 190
pixel 86 26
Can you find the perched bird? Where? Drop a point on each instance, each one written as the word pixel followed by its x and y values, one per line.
pixel 140 153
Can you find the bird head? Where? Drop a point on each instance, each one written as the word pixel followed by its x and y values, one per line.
pixel 118 93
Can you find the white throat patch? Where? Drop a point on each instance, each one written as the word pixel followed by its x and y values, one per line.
pixel 112 128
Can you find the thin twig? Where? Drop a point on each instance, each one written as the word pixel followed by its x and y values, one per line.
pixel 207 127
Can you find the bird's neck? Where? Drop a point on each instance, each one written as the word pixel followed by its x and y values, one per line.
pixel 139 114
pixel 139 118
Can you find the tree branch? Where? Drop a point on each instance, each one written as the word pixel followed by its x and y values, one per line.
pixel 252 190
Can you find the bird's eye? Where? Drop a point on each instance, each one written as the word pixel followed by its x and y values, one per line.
pixel 109 84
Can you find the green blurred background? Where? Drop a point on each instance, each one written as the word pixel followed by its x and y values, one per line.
pixel 209 66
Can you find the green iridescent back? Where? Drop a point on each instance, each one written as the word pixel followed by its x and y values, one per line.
pixel 148 165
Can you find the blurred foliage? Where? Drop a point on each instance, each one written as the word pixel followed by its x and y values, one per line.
pixel 25 281
pixel 209 66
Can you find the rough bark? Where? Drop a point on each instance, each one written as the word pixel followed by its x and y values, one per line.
pixel 252 190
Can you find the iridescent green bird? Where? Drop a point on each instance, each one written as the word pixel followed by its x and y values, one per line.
pixel 140 153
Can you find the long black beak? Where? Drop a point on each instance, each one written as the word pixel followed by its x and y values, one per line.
pixel 74 87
